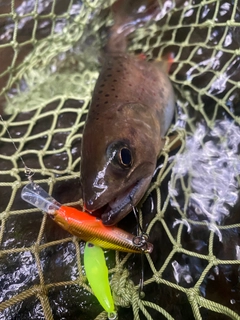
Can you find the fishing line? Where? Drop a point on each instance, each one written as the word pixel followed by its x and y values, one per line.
pixel 139 227
pixel 141 239
pixel 28 172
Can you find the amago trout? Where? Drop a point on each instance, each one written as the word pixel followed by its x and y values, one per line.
pixel 132 107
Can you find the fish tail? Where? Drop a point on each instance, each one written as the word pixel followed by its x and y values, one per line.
pixel 128 16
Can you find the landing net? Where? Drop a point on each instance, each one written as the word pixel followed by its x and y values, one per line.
pixel 49 64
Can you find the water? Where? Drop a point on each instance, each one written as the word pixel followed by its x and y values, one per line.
pixel 206 91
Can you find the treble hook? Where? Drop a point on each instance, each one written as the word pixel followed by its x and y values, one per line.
pixel 140 241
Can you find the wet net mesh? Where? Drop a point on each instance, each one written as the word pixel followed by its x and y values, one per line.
pixel 49 64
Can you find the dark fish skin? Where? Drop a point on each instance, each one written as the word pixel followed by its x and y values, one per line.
pixel 131 110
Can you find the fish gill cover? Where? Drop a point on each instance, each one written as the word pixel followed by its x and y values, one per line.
pixel 49 64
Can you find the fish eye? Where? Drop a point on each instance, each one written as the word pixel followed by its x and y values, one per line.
pixel 120 154
pixel 125 157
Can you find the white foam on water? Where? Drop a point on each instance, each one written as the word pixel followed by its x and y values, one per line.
pixel 212 163
pixel 181 272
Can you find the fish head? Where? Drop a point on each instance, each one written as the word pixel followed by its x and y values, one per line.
pixel 118 161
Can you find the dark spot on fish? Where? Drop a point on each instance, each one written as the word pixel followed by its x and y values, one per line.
pixel 114 80
pixel 113 89
pixel 159 113
pixel 130 85
pixel 102 85
pixel 106 95
pixel 161 94
pixel 97 105
pixel 132 131
pixel 116 96
pixel 100 91
pixel 106 102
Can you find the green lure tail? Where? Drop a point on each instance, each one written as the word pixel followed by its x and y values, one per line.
pixel 97 275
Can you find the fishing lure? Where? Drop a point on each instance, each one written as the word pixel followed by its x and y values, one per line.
pixel 83 225
pixel 97 275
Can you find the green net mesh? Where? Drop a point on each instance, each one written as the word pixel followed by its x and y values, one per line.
pixel 49 64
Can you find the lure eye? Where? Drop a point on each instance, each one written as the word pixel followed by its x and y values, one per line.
pixel 125 157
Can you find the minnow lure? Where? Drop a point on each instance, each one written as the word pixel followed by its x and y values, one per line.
pixel 97 275
pixel 83 225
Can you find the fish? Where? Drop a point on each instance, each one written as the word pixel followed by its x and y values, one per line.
pixel 83 225
pixel 131 110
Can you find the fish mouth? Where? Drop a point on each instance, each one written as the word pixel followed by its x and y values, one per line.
pixel 120 206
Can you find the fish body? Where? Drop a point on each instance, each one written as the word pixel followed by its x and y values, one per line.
pixel 90 228
pixel 131 109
